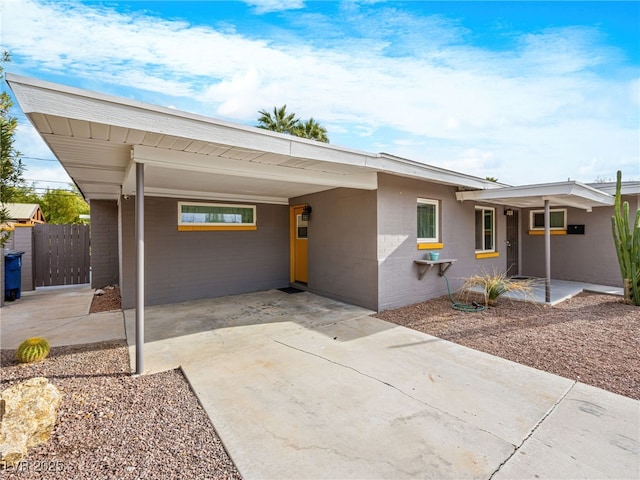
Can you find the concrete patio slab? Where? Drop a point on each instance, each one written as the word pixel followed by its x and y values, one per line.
pixel 221 325
pixel 561 290
pixel 61 315
pixel 303 386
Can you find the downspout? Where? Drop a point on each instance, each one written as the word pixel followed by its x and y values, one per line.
pixel 547 252
pixel 139 267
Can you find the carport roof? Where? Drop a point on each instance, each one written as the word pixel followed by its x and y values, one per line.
pixel 568 194
pixel 98 139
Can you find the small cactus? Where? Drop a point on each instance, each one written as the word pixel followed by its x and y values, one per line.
pixel 32 350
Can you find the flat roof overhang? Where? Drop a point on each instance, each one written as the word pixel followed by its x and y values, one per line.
pixel 565 194
pixel 99 139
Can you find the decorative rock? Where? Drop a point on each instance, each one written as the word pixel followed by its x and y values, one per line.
pixel 99 292
pixel 28 413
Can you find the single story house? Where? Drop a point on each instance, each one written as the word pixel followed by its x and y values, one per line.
pixel 185 207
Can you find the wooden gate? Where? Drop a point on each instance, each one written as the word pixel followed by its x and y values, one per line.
pixel 61 255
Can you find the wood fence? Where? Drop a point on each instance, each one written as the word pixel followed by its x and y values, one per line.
pixel 61 255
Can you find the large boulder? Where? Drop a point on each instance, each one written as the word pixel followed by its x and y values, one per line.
pixel 27 416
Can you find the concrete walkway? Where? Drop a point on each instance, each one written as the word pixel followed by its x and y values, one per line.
pixel 561 290
pixel 61 315
pixel 300 386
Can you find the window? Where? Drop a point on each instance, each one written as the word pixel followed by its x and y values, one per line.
pixel 428 229
pixel 216 216
pixel 485 229
pixel 302 227
pixel 557 219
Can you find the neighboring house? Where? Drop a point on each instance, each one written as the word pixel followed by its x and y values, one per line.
pixel 25 214
pixel 227 209
pixel 23 217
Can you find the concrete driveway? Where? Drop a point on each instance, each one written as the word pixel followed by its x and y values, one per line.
pixel 300 386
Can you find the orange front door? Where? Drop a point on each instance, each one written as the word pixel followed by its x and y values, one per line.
pixel 299 245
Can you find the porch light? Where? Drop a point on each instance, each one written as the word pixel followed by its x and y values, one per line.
pixel 306 212
pixel 509 212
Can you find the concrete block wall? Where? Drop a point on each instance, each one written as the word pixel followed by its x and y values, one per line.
pixel 398 282
pixel 183 266
pixel 104 243
pixel 22 240
pixel 342 245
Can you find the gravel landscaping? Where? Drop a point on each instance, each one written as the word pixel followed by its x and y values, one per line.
pixel 592 338
pixel 114 425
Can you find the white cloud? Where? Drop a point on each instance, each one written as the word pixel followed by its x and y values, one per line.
pixel 444 101
pixel 41 167
pixel 29 143
pixel 267 6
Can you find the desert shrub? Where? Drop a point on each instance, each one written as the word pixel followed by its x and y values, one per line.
pixel 493 284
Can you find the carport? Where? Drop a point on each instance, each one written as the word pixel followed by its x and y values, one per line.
pixel 114 148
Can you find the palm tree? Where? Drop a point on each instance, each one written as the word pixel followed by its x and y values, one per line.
pixel 280 121
pixel 313 130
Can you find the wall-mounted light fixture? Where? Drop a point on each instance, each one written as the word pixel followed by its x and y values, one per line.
pixel 509 212
pixel 306 212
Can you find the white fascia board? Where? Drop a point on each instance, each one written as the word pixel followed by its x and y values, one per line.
pixel 139 116
pixel 68 102
pixel 217 165
pixel 628 188
pixel 409 168
pixel 563 193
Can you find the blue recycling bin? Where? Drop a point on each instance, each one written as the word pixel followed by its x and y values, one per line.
pixel 12 274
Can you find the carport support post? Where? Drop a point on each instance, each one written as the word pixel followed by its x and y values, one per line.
pixel 139 267
pixel 547 252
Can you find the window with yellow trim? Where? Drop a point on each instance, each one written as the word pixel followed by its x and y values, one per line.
pixel 216 215
pixel 557 219
pixel 428 221
pixel 485 229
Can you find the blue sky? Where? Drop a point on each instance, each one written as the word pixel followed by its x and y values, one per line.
pixel 527 92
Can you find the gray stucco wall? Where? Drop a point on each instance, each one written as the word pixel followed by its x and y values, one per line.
pixel 22 240
pixel 587 258
pixel 184 266
pixel 398 282
pixel 104 243
pixel 342 245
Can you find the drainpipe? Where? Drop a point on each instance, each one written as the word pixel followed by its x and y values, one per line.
pixel 547 252
pixel 139 267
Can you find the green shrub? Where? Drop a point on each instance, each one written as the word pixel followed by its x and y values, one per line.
pixel 32 350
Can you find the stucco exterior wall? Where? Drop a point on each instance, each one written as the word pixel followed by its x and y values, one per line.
pixel 22 240
pixel 104 243
pixel 342 245
pixel 587 258
pixel 183 266
pixel 398 282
